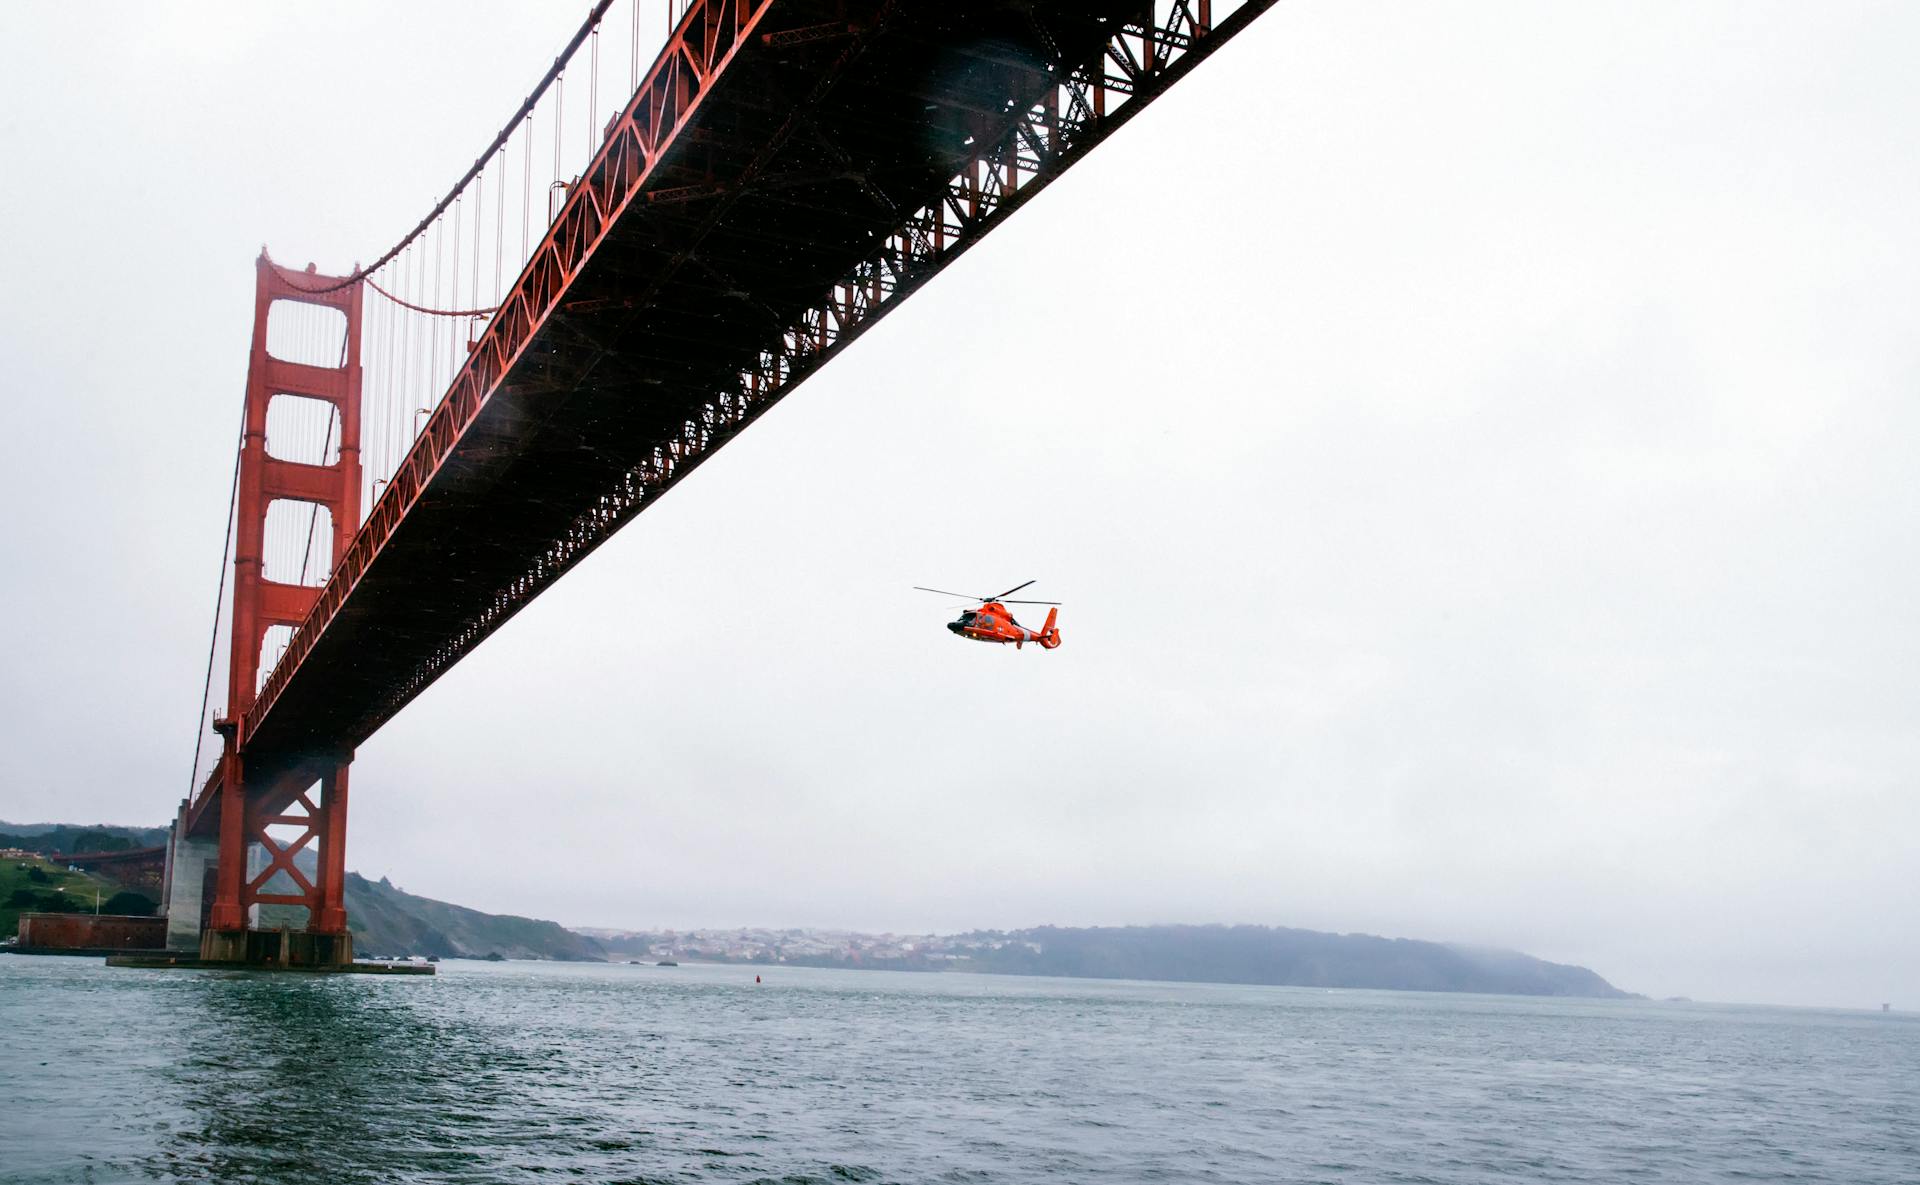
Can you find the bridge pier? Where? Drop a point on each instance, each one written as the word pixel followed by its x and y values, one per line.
pixel 187 892
pixel 254 867
pixel 282 948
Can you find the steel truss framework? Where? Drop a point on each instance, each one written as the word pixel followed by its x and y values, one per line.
pixel 320 814
pixel 1061 108
pixel 1037 145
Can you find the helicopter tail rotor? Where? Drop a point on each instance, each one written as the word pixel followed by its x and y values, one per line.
pixel 1050 633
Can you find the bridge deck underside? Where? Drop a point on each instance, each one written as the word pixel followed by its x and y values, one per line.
pixel 828 127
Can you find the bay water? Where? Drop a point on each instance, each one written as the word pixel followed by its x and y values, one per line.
pixel 523 1072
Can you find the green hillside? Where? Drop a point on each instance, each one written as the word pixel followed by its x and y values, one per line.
pixel 385 921
pixel 388 922
pixel 31 885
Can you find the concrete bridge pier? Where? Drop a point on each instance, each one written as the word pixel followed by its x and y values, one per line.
pixel 285 948
pixel 186 894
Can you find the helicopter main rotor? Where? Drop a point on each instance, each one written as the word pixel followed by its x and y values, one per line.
pixel 1001 599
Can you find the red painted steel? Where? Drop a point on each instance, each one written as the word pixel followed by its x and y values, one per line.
pixel 329 915
pixel 701 48
pixel 259 603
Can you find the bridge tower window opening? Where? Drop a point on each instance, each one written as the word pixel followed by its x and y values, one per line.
pixel 299 546
pixel 307 334
pixel 303 430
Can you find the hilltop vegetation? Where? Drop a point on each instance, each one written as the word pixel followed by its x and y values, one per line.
pixel 388 921
pixel 31 885
pixel 35 886
pixel 384 920
pixel 69 838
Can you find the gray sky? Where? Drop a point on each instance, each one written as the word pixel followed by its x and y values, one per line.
pixel 1474 443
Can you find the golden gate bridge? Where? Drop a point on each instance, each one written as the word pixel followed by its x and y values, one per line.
pixel 646 257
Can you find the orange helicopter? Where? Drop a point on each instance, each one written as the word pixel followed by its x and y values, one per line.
pixel 990 621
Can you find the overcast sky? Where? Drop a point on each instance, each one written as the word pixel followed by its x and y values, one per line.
pixel 1474 443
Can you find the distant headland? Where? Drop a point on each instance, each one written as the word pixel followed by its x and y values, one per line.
pixel 388 921
pixel 1185 953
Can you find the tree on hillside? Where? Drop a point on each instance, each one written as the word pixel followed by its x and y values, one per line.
pixel 127 903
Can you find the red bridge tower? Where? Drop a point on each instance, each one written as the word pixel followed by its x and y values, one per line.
pixel 261 829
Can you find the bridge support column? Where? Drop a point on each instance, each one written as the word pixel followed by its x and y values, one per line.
pixel 329 916
pixel 229 912
pixel 260 865
pixel 189 861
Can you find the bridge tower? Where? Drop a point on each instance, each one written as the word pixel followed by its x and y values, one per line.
pixel 314 320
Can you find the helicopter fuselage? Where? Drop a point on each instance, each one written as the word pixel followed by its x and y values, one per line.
pixel 992 623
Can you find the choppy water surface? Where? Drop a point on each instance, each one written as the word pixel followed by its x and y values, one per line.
pixel 523 1072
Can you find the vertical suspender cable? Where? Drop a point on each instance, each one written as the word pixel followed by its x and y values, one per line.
pixel 433 358
pixel 593 94
pixel 219 599
pixel 372 459
pixel 374 413
pixel 559 109
pixel 423 361
pixel 526 189
pixel 404 382
pixel 499 223
pixel 453 294
pixel 396 358
pixel 326 446
pixel 313 520
pixel 479 215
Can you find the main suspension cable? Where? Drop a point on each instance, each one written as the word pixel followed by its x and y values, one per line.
pixel 420 308
pixel 554 71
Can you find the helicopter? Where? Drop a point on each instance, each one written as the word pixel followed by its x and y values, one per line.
pixel 990 621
